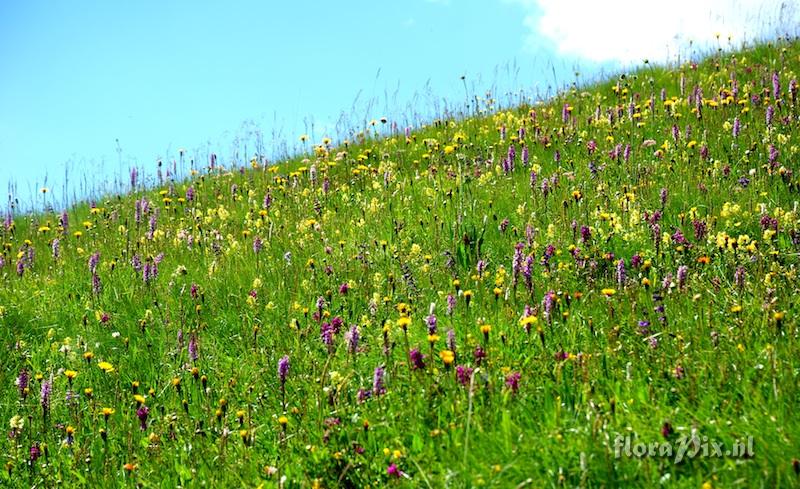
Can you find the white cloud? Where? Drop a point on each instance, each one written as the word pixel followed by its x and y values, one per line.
pixel 632 30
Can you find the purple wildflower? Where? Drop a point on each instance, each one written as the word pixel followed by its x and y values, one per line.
pixel 363 395
pixel 586 234
pixel 326 334
pixel 352 337
pixel 35 452
pixel 45 393
pixel 283 369
pixel 512 381
pixel 193 353
pixel 739 277
pixel 683 272
pixel 479 354
pixel 776 86
pixel 97 286
pixel 378 387
pixel 548 301
pixel 22 383
pixel 393 471
pixel 431 322
pixel 451 340
pixel 451 304
pixel 699 229
pixel 621 276
pixel 463 374
pixel 64 220
pixel 417 359
pixel 142 413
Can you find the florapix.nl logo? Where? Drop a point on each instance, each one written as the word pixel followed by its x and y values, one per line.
pixel 682 448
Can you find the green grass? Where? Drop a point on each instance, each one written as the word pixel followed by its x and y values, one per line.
pixel 404 222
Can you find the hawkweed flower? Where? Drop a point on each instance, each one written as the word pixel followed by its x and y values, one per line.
pixel 485 330
pixel 70 375
pixel 528 319
pixel 448 357
pixel 70 432
pixel 107 412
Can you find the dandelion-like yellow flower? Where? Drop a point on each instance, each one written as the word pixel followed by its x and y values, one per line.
pixel 106 367
pixel 404 322
pixel 447 356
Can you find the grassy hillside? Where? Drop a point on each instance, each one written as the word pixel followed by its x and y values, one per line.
pixel 487 302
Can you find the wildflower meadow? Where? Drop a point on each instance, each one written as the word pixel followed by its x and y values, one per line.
pixel 512 297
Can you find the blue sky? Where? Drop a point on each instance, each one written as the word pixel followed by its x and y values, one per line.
pixel 158 76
